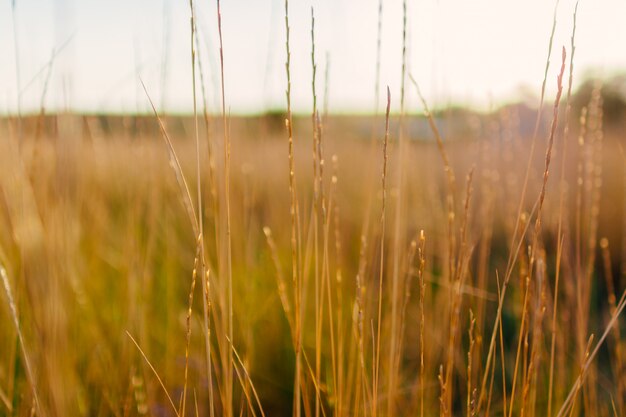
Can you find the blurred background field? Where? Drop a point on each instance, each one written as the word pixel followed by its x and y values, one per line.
pixel 465 261
pixel 96 243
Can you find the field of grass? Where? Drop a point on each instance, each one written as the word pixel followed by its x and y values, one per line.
pixel 391 265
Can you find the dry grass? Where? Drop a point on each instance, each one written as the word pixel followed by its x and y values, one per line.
pixel 101 229
pixel 501 298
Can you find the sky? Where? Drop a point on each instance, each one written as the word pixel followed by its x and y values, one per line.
pixel 479 53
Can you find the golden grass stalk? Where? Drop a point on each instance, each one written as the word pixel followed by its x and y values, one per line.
pixel 154 371
pixel 583 121
pixel 339 361
pixel 249 381
pixel 139 394
pixel 487 209
pixel 405 303
pixel 206 304
pixel 568 403
pixel 497 324
pixel 194 274
pixel 443 402
pixel 210 150
pixel 537 231
pixel 546 171
pixel 521 337
pixel 451 190
pixel 538 204
pixel 457 284
pixel 398 235
pixel 502 364
pixel 623 263
pixel 530 384
pixel 452 268
pixel 195 403
pixel 16 323
pixel 577 389
pixel 317 179
pixel 282 285
pixel 358 319
pixel 560 225
pixel 589 210
pixel 361 311
pixel 365 229
pixel 177 168
pixel 4 398
pixel 294 228
pixel 199 262
pixel 422 264
pixel 229 364
pixel 376 368
pixel 537 123
pixel 195 223
pixel 470 394
pixel 513 253
pixel 617 359
pixel 326 280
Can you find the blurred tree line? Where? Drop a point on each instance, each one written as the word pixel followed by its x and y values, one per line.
pixel 613 91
